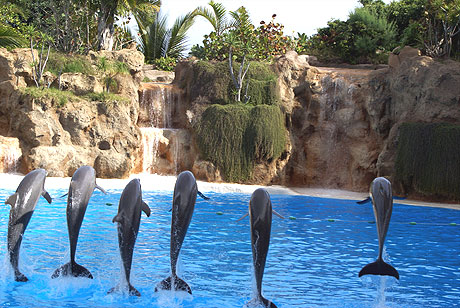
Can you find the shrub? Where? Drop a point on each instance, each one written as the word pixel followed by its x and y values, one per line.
pixel 59 62
pixel 428 159
pixel 234 137
pixel 212 79
pixel 165 63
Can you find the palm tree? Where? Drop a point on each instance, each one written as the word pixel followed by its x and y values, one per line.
pixel 159 41
pixel 216 17
pixel 110 8
pixel 9 38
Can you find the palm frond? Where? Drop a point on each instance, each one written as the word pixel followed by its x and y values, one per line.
pixel 217 17
pixel 9 38
pixel 178 38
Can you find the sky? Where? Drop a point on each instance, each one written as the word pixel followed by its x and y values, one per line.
pixel 304 16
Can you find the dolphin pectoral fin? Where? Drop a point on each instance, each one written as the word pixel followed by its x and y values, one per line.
pixel 368 199
pixel 12 199
pixel 117 218
pixel 101 189
pixel 202 196
pixel 72 269
pixel 145 209
pixel 379 267
pixel 277 214
pixel 47 196
pixel 64 195
pixel 243 217
pixel 179 285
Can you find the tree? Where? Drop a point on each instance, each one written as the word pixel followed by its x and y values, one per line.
pixel 216 17
pixel 159 41
pixel 110 8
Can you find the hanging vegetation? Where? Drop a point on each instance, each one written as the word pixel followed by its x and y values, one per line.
pixel 234 137
pixel 428 159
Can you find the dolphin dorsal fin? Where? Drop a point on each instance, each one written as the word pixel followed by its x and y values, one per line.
pixel 145 209
pixel 101 189
pixel 277 214
pixel 12 199
pixel 47 196
pixel 242 217
pixel 118 218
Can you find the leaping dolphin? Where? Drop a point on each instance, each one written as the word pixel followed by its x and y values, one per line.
pixel 382 200
pixel 184 199
pixel 81 188
pixel 260 216
pixel 23 203
pixel 128 219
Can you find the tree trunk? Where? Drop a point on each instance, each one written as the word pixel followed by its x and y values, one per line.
pixel 105 26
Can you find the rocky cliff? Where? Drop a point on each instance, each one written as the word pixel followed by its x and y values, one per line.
pixel 62 136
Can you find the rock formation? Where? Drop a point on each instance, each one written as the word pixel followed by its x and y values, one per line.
pixel 62 138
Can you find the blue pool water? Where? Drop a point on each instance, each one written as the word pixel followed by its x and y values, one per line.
pixel 313 260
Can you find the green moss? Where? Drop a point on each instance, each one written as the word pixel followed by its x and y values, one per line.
pixel 428 159
pixel 234 137
pixel 58 98
pixel 64 63
pixel 213 80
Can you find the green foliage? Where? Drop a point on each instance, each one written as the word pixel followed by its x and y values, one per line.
pixel 159 41
pixel 59 98
pixel 428 159
pixel 10 38
pixel 106 97
pixel 213 80
pixel 256 43
pixel 109 69
pixel 362 38
pixel 60 62
pixel 234 137
pixel 165 63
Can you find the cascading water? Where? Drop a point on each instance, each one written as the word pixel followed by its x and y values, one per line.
pixel 10 153
pixel 158 104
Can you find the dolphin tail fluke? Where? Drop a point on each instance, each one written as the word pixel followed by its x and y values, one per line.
pixel 72 269
pixel 379 267
pixel 268 303
pixel 179 285
pixel 20 277
pixel 261 302
pixel 132 290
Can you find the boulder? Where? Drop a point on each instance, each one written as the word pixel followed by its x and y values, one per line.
pixel 79 83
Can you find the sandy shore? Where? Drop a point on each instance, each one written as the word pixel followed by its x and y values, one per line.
pixel 166 183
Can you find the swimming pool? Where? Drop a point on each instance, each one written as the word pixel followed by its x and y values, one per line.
pixel 313 259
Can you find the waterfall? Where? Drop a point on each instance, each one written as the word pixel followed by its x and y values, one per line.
pixel 10 153
pixel 157 115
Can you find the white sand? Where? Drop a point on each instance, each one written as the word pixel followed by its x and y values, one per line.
pixel 166 183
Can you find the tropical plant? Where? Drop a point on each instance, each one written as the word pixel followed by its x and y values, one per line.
pixel 159 41
pixel 216 16
pixel 110 8
pixel 9 38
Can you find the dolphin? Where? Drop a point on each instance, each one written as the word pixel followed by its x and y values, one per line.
pixel 81 188
pixel 128 219
pixel 382 201
pixel 23 203
pixel 260 216
pixel 185 192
